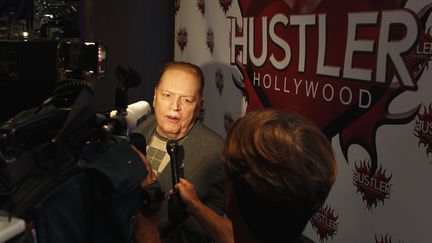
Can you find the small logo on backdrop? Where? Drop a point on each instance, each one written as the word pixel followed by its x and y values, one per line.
pixel 228 120
pixel 385 239
pixel 324 222
pixel 210 40
pixel 374 188
pixel 219 79
pixel 225 5
pixel 182 38
pixel 176 6
pixel 423 128
pixel 201 6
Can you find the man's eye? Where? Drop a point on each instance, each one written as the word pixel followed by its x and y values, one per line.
pixel 166 95
pixel 187 100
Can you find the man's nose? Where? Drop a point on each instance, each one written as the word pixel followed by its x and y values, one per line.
pixel 175 103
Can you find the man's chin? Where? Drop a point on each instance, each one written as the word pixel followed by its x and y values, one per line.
pixel 169 133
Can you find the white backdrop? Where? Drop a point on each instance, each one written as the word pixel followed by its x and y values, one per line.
pixel 387 130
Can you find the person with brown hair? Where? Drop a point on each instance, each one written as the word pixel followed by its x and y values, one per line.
pixel 279 169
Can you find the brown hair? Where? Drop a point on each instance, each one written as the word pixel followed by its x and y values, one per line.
pixel 281 166
pixel 186 66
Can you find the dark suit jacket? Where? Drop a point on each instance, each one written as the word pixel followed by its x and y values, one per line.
pixel 202 167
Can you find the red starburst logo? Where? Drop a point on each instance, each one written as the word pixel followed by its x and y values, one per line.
pixel 201 6
pixel 210 40
pixel 324 222
pixel 385 239
pixel 423 129
pixel 228 120
pixel 219 79
pixel 182 38
pixel 375 187
pixel 225 5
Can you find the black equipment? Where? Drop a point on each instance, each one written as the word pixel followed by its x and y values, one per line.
pixel 22 71
pixel 172 149
pixel 176 207
pixel 70 179
pixel 37 64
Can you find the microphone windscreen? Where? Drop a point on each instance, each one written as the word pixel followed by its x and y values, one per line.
pixel 171 147
pixel 136 113
pixel 138 140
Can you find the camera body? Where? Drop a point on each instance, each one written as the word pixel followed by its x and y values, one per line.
pixel 60 165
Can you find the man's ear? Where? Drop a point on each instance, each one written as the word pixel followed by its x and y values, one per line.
pixel 154 97
pixel 201 106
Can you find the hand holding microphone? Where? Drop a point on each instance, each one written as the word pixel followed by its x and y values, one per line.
pixel 176 207
pixel 151 196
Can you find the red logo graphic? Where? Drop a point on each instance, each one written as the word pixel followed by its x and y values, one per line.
pixel 340 68
pixel 228 120
pixel 423 129
pixel 374 188
pixel 219 78
pixel 324 222
pixel 210 40
pixel 225 5
pixel 385 239
pixel 182 38
pixel 201 6
pixel 176 6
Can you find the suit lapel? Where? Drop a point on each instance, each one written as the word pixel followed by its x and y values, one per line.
pixel 165 179
pixel 193 157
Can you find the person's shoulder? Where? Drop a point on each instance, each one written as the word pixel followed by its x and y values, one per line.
pixel 208 135
pixel 147 125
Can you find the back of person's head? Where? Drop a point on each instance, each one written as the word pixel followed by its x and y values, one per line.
pixel 281 167
pixel 187 67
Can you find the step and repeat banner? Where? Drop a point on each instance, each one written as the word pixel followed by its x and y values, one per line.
pixel 359 69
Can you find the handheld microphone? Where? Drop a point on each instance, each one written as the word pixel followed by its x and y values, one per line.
pixel 136 113
pixel 172 149
pixel 176 207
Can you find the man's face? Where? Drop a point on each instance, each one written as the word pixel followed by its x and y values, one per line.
pixel 177 102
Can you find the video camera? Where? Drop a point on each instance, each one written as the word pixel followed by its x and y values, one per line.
pixel 70 116
pixel 66 161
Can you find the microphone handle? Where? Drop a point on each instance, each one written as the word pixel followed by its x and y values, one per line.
pixel 172 149
pixel 174 169
pixel 176 208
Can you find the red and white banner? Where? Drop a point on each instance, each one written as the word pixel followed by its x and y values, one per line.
pixel 359 69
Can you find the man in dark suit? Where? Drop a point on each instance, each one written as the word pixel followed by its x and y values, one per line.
pixel 278 167
pixel 177 103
